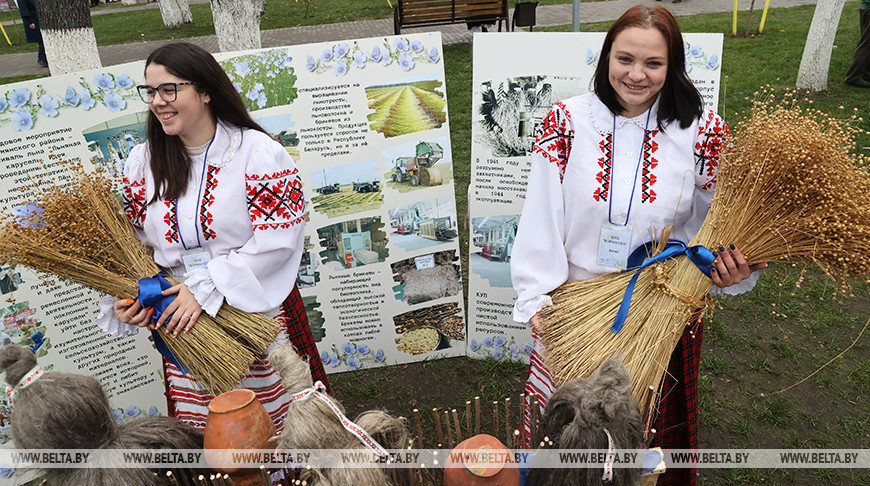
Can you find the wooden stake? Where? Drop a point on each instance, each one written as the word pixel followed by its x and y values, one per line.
pixel 450 442
pixel 516 439
pixel 476 415
pixel 265 474
pixel 438 428
pixel 419 427
pixel 507 422
pixel 533 422
pixel 468 418
pixel 171 478
pixel 495 419
pixel 522 427
pixel 456 425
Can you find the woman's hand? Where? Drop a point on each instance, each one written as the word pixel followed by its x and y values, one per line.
pixel 536 323
pixel 730 267
pixel 130 311
pixel 184 310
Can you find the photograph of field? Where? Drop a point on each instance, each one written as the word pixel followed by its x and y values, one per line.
pixel 280 127
pixel 347 189
pixel 406 107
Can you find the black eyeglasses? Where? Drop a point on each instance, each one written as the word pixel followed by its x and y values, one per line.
pixel 167 91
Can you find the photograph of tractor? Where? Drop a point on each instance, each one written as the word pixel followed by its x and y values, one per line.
pixel 364 187
pixel 418 169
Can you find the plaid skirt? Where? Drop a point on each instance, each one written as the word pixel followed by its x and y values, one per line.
pixel 188 402
pixel 676 421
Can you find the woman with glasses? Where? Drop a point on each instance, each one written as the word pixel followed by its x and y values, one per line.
pixel 221 204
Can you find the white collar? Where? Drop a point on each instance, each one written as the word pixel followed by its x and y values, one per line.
pixel 602 118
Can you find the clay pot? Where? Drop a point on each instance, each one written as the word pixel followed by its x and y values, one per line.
pixel 236 420
pixel 482 474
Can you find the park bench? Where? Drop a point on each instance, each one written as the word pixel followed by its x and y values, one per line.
pixel 425 13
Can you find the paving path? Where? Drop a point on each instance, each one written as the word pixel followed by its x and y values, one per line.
pixel 547 15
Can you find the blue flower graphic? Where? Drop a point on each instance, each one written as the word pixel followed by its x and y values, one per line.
pixel 497 353
pixel 474 346
pixel 237 86
pixel 433 55
pixel 685 48
pixel 590 56
pixel 326 54
pixel 124 81
pixel 119 415
pixel 416 46
pixel 339 69
pixel 487 342
pixel 696 51
pixel 49 106
pixel 6 471
pixel 324 355
pixel 401 44
pixel 405 62
pixel 348 348
pixel 104 81
pixel 3 104
pixel 353 363
pixel 688 66
pixel 386 60
pixel 132 411
pixel 261 99
pixel 271 74
pixel 379 356
pixel 87 101
pixel 340 50
pixel 242 69
pixel 500 341
pixel 514 350
pixel 152 412
pixel 362 349
pixel 21 120
pixel 311 64
pixel 359 59
pixel 70 97
pixel 713 62
pixel 114 102
pixel 334 361
pixel 527 349
pixel 19 97
pixel 376 54
pixel 29 215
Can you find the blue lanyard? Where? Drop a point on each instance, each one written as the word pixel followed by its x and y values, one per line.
pixel 613 170
pixel 198 201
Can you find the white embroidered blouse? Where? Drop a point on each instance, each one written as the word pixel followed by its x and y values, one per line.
pixel 245 207
pixel 582 176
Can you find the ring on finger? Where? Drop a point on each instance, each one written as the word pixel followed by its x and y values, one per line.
pixel 186 316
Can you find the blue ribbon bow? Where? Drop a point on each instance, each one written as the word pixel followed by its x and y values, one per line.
pixel 637 261
pixel 151 295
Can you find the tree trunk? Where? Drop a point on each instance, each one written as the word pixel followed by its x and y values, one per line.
pixel 68 36
pixel 813 71
pixel 237 23
pixel 175 13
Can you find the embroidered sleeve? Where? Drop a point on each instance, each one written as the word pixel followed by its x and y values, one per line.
pixel 711 132
pixel 275 200
pixel 553 140
pixel 133 187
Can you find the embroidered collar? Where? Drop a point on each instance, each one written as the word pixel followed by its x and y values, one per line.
pixel 602 119
pixel 26 380
pixel 227 140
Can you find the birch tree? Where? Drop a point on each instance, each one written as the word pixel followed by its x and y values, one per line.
pixel 816 60
pixel 237 23
pixel 175 13
pixel 68 36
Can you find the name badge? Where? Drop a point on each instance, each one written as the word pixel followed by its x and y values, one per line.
pixel 195 258
pixel 613 245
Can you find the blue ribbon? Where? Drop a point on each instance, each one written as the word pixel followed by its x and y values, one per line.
pixel 637 261
pixel 151 296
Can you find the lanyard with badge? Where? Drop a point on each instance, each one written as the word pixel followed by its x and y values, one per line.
pixel 195 257
pixel 615 239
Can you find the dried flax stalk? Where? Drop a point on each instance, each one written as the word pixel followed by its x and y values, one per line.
pixel 82 235
pixel 789 189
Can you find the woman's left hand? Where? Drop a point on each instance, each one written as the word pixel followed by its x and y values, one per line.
pixel 730 267
pixel 184 310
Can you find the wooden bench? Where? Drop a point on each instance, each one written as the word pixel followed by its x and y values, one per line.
pixel 425 13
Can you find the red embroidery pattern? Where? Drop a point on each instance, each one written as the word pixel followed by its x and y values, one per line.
pixel 133 196
pixel 606 164
pixel 275 201
pixel 708 147
pixel 171 220
pixel 205 216
pixel 650 146
pixel 554 138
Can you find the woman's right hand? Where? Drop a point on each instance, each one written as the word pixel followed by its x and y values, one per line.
pixel 130 311
pixel 536 323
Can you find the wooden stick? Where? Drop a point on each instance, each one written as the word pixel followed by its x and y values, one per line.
pixel 419 427
pixel 522 426
pixel 468 418
pixel 456 425
pixel 171 478
pixel 265 474
pixel 438 428
pixel 507 422
pixel 450 442
pixel 516 439
pixel 495 419
pixel 533 422
pixel 476 415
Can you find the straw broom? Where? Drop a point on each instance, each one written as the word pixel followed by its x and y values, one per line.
pixel 788 189
pixel 80 233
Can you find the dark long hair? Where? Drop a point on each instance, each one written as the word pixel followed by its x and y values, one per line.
pixel 170 164
pixel 679 99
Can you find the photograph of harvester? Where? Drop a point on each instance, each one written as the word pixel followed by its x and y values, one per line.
pixel 350 244
pixel 494 235
pixel 423 223
pixel 346 189
pixel 413 166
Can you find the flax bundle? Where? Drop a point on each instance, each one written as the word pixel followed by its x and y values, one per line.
pixel 81 234
pixel 789 189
